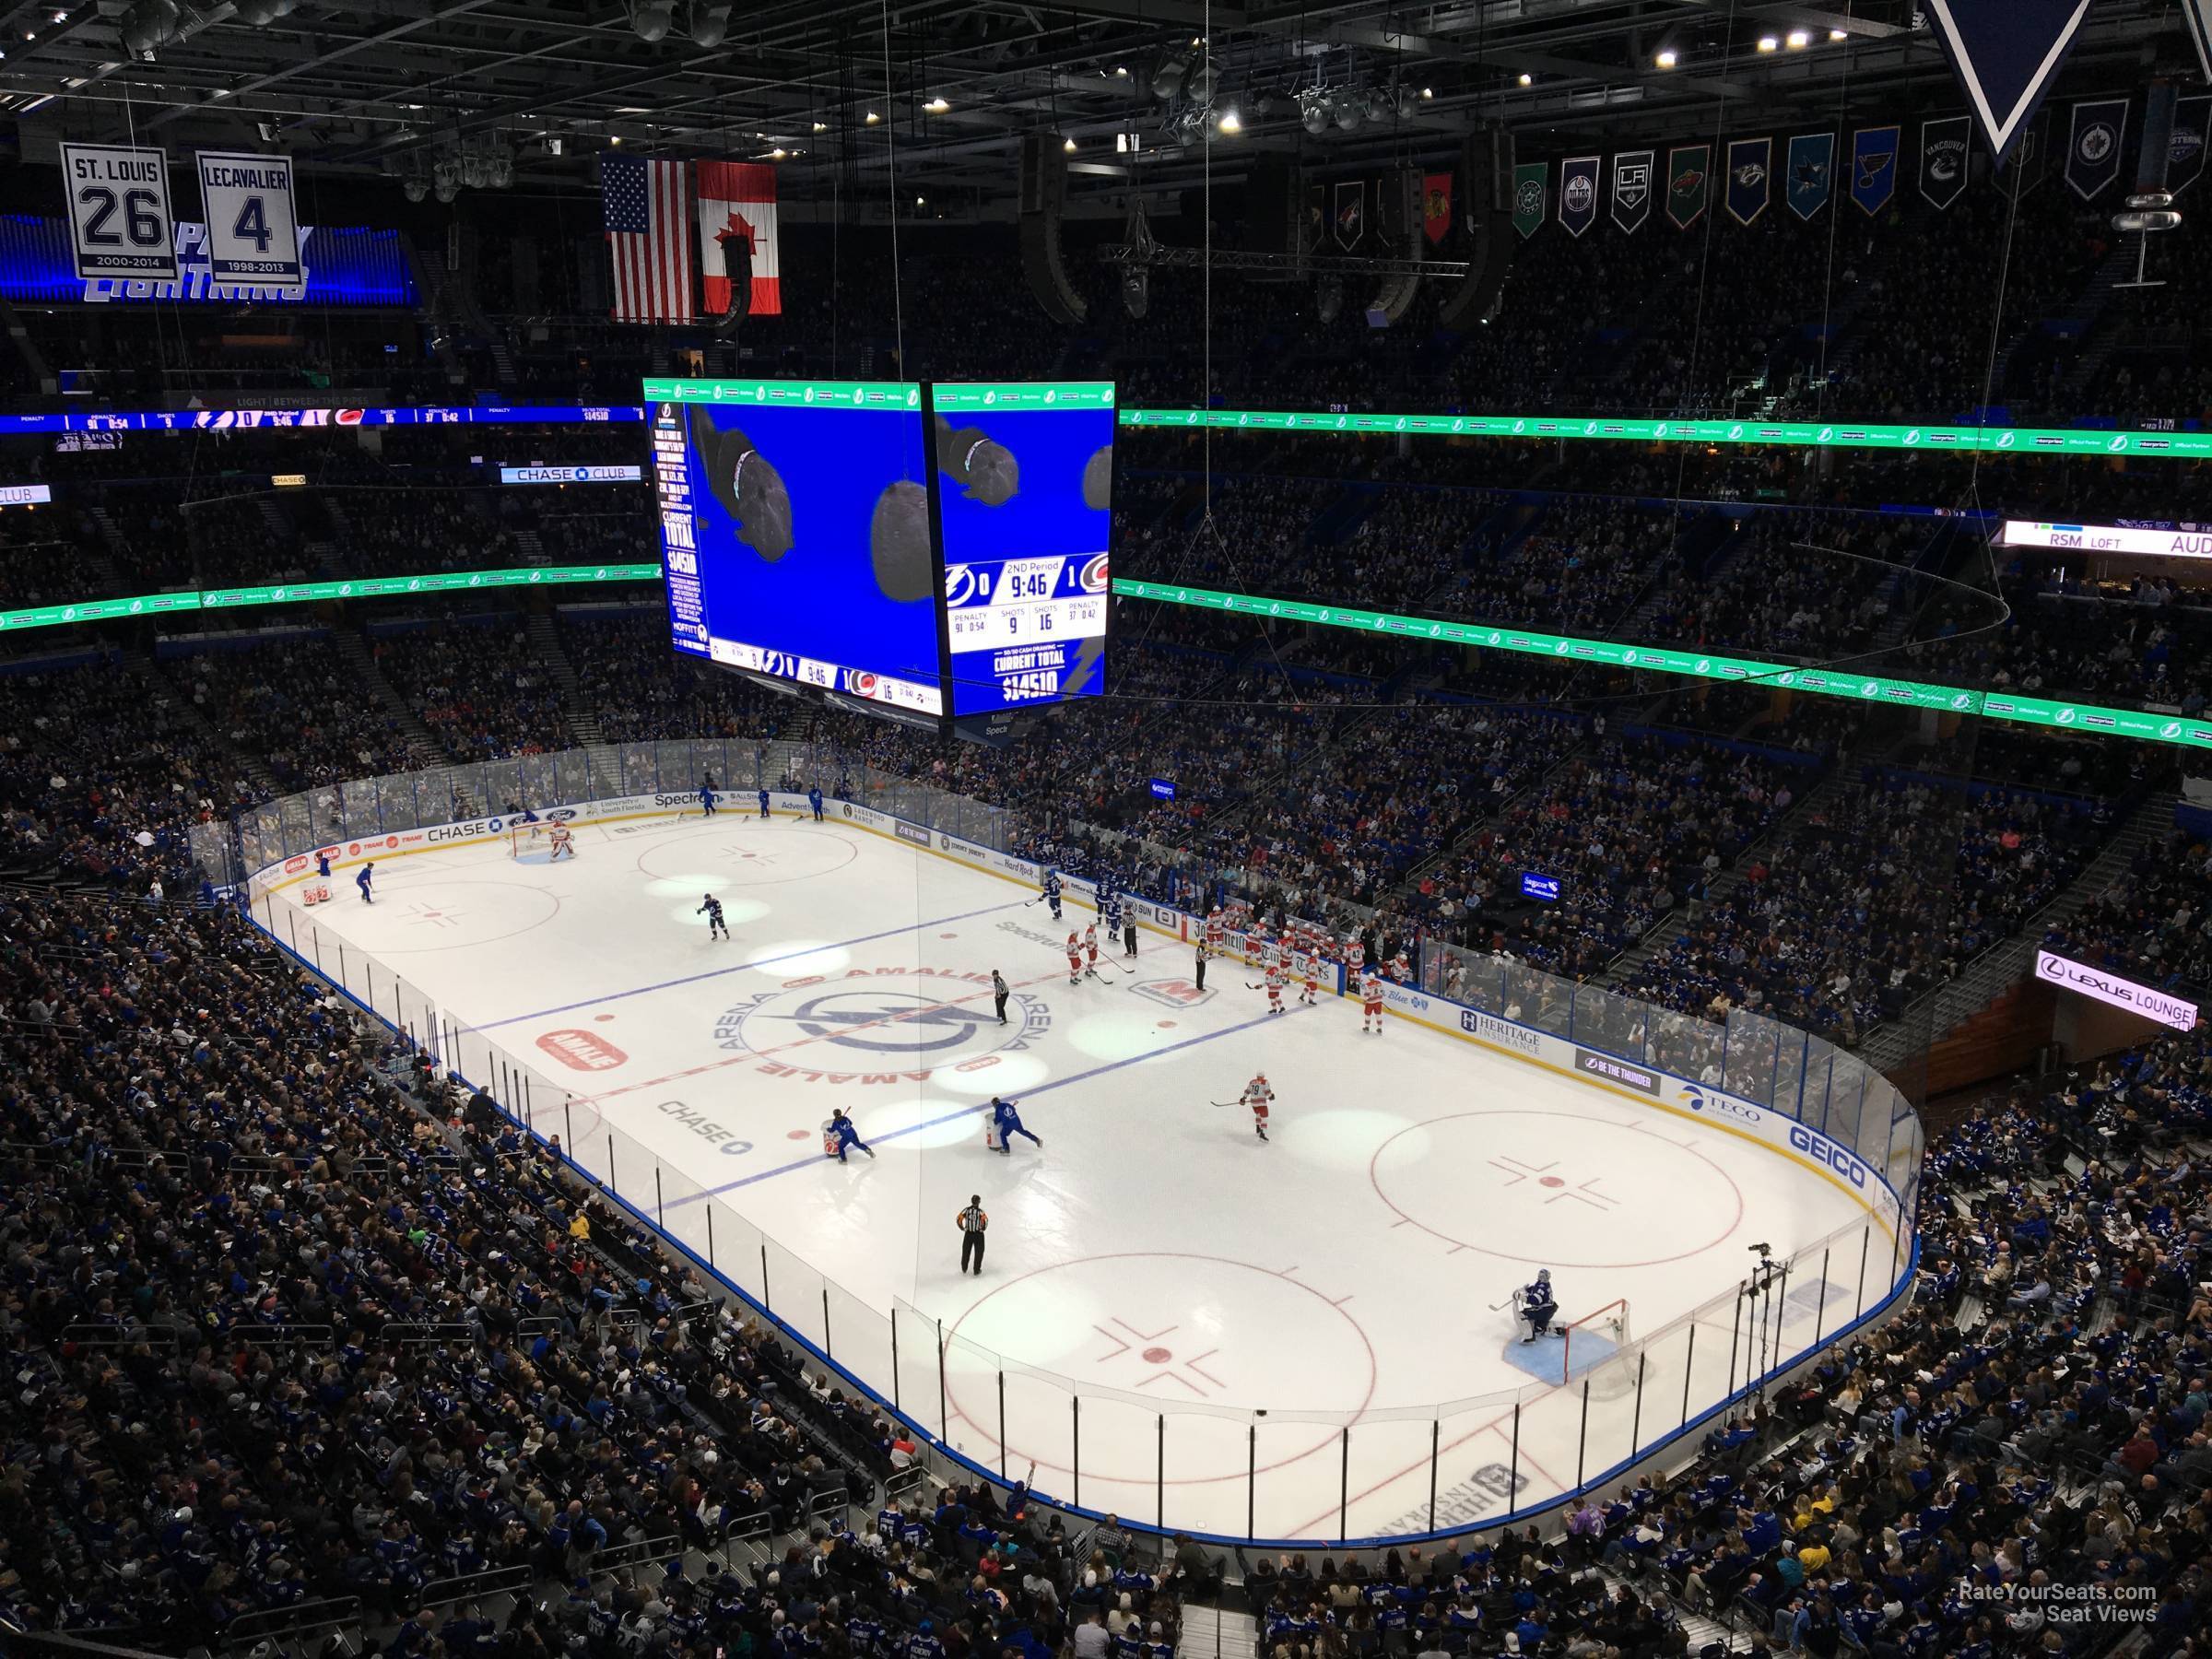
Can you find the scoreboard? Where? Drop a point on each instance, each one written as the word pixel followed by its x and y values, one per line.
pixel 941 551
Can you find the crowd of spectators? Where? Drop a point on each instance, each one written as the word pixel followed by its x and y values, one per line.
pixel 295 705
pixel 477 684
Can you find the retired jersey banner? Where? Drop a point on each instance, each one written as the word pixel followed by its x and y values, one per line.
pixel 1436 205
pixel 1751 178
pixel 2185 156
pixel 738 210
pixel 1577 194
pixel 1530 179
pixel 1873 167
pixel 252 228
pixel 1632 189
pixel 1812 170
pixel 119 218
pixel 2005 54
pixel 2093 145
pixel 1943 159
pixel 1689 183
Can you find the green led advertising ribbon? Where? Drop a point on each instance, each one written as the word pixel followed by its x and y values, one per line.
pixel 1828 682
pixel 2030 441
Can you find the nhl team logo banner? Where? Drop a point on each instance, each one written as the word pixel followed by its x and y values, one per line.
pixel 1351 213
pixel 2030 158
pixel 2186 160
pixel 1811 172
pixel 2197 14
pixel 1943 159
pixel 1530 179
pixel 1577 194
pixel 2005 54
pixel 1873 167
pixel 1632 189
pixel 1750 181
pixel 2093 149
pixel 1689 183
pixel 1436 205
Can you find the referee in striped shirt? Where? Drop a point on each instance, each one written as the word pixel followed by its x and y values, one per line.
pixel 971 1222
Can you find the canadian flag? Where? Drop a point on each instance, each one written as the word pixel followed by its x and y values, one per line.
pixel 737 206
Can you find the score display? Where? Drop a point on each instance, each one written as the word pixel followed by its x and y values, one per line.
pixel 795 529
pixel 940 549
pixel 1026 475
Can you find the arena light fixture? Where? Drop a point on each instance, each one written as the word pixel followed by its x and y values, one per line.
pixel 1837 34
pixel 149 24
pixel 1800 39
pixel 1767 44
pixel 1527 79
pixel 709 24
pixel 653 19
pixel 1068 145
pixel 1230 124
pixel 937 106
pixel 871 119
pixel 1666 60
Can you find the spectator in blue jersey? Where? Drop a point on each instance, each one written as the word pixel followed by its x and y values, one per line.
pixel 848 1137
pixel 322 865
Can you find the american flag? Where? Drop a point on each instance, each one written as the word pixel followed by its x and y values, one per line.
pixel 648 239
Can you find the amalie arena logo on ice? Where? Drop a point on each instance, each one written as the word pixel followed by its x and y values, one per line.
pixel 880 1024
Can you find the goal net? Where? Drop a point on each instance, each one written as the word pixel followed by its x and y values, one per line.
pixel 1598 1347
pixel 526 839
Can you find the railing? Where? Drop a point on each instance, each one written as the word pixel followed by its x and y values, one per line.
pixel 1231 1474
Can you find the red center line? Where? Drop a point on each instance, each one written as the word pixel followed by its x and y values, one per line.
pixel 780 1048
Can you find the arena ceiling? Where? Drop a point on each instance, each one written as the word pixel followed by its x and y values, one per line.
pixel 392 85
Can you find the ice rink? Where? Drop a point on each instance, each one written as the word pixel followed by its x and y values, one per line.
pixel 1175 1320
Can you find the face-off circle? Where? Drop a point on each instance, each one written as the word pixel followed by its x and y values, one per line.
pixel 1153 1333
pixel 1569 1191
pixel 445 915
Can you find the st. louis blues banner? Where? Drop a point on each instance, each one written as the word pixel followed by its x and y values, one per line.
pixel 1689 183
pixel 1577 194
pixel 1873 167
pixel 1530 179
pixel 2007 54
pixel 2093 145
pixel 1632 189
pixel 1943 159
pixel 2192 126
pixel 1751 179
pixel 1811 172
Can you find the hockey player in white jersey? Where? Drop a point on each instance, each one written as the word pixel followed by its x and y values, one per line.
pixel 1537 1305
pixel 1259 1095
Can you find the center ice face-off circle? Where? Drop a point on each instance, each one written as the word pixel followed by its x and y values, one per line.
pixel 892 1021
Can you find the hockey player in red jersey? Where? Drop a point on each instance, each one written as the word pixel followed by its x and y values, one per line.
pixel 1310 966
pixel 1091 946
pixel 1371 1002
pixel 1074 958
pixel 1275 988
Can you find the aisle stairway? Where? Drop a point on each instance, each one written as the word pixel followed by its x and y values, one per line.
pixel 424 747
pixel 169 701
pixel 576 708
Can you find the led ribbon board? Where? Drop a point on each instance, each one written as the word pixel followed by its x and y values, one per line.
pixel 1828 682
pixel 2029 440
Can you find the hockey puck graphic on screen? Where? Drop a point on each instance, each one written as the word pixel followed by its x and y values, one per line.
pixel 1097 480
pixel 750 490
pixel 898 541
pixel 983 468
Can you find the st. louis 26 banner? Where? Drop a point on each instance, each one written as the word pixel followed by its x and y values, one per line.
pixel 1577 194
pixel 2093 145
pixel 1632 189
pixel 1750 184
pixel 119 218
pixel 253 225
pixel 1943 159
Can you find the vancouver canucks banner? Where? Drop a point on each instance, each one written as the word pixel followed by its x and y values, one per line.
pixel 1530 181
pixel 1873 167
pixel 2186 158
pixel 1577 194
pixel 1943 159
pixel 1751 179
pixel 1632 189
pixel 1689 183
pixel 2093 145
pixel 2005 54
pixel 1811 172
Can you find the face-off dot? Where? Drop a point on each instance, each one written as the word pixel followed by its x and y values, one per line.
pixel 1554 1180
pixel 602 1018
pixel 1158 1356
pixel 800 1134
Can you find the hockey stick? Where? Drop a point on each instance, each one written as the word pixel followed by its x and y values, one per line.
pixel 1500 1307
pixel 1229 1103
pixel 1255 985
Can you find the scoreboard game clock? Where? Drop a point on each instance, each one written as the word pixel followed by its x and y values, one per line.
pixel 939 552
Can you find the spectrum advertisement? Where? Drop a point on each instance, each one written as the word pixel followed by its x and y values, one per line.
pixel 937 549
pixel 1026 481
